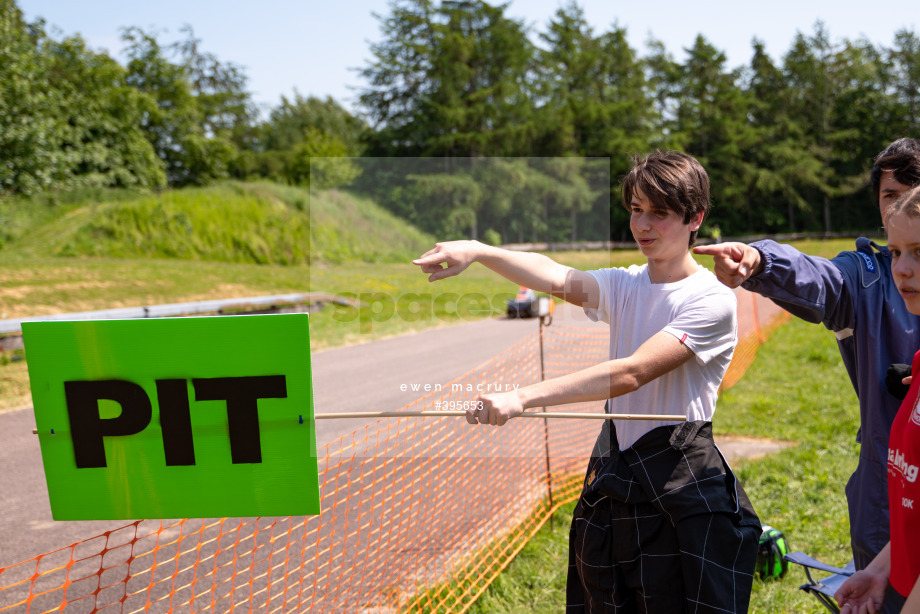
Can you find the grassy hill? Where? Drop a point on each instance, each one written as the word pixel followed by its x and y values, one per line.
pixel 258 223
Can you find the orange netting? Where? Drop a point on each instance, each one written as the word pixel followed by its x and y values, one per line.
pixel 419 515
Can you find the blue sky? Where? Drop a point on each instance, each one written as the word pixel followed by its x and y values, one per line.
pixel 311 46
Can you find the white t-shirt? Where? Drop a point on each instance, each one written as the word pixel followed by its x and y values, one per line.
pixel 698 310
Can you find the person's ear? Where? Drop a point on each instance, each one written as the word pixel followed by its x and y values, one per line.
pixel 696 221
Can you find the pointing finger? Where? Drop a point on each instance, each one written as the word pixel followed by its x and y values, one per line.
pixel 708 250
pixel 430 259
pixel 433 250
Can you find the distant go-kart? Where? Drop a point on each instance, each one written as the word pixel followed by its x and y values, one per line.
pixel 528 305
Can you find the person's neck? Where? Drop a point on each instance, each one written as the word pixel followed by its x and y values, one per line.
pixel 669 271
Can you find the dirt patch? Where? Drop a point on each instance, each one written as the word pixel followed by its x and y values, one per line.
pixel 220 291
pixel 36 310
pixel 736 447
pixel 30 304
pixel 51 273
pixel 22 292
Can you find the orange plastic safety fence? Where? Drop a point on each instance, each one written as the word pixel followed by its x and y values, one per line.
pixel 757 318
pixel 419 515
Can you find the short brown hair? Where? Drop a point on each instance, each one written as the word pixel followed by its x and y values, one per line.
pixel 908 204
pixel 671 180
pixel 902 158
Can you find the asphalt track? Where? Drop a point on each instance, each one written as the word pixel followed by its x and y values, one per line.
pixel 363 377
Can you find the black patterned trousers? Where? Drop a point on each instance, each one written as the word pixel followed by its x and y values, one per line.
pixel 661 528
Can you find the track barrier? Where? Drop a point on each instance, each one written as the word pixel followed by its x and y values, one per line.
pixel 419 515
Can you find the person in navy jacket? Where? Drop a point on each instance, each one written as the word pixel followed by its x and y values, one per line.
pixel 855 296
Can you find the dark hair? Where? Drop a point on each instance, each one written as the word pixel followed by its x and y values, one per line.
pixel 671 180
pixel 902 158
pixel 908 204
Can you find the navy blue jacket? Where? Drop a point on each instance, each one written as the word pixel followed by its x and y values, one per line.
pixel 855 296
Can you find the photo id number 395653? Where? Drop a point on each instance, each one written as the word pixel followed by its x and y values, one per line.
pixel 457 405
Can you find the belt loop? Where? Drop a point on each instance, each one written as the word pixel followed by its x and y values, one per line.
pixel 685 433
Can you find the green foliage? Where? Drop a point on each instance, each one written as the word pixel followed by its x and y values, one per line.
pixel 348 228
pixel 194 102
pixel 787 147
pixel 458 196
pixel 448 80
pixel 102 143
pixel 904 62
pixel 538 199
pixel 709 118
pixel 491 237
pixel 222 101
pixel 29 128
pixel 218 224
pixel 303 138
pixel 319 160
pixel 71 117
pixel 22 218
pixel 596 89
pixel 292 121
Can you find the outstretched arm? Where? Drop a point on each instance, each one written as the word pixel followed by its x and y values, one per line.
pixel 529 269
pixel 660 354
pixel 809 287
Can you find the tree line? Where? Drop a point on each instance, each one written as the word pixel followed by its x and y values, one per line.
pixel 170 114
pixel 465 107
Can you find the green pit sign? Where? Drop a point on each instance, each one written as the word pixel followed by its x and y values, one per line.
pixel 175 418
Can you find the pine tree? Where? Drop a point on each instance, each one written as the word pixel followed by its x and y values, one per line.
pixel 905 61
pixel 712 124
pixel 449 80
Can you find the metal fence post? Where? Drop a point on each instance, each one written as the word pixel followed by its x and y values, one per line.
pixel 549 474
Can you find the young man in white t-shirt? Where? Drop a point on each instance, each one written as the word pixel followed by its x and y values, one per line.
pixel 661 525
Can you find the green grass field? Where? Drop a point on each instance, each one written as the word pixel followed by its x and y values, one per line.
pixel 796 390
